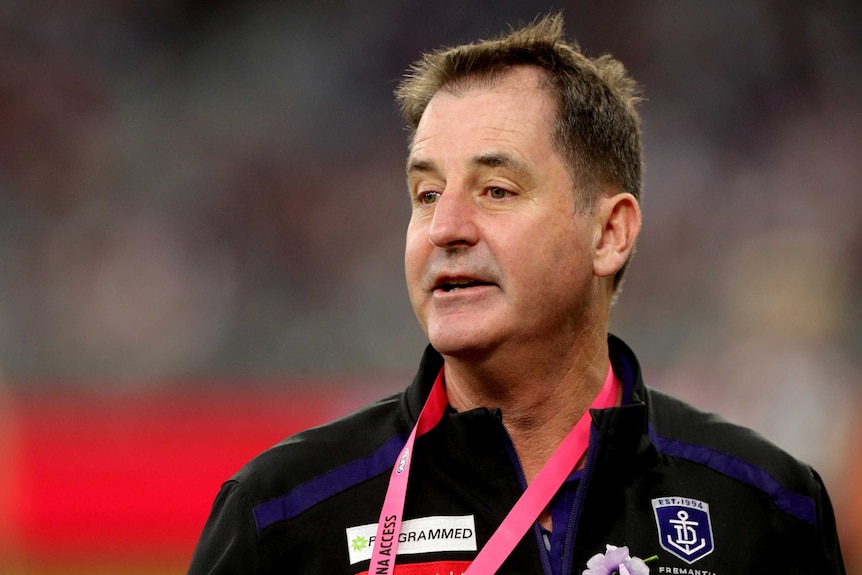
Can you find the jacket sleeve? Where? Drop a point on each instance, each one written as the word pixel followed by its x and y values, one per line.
pixel 828 531
pixel 229 542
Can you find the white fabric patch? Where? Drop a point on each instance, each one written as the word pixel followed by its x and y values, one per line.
pixel 423 535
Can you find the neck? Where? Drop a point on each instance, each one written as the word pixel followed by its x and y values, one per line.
pixel 541 398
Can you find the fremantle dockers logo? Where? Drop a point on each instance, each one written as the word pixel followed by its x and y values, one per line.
pixel 684 528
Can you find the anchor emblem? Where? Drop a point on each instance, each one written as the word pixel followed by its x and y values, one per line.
pixel 684 527
pixel 686 534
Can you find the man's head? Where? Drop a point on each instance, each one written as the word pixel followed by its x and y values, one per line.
pixel 523 216
pixel 596 129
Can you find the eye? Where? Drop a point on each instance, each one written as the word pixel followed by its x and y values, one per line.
pixel 427 198
pixel 496 193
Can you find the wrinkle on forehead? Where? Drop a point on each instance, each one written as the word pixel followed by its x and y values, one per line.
pixel 515 80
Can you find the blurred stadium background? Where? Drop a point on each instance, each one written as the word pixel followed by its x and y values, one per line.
pixel 201 221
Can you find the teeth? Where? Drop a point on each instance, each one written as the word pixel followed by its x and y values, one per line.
pixel 458 284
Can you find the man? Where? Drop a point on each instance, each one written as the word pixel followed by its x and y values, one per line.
pixel 527 442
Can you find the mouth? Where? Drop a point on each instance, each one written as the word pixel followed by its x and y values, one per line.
pixel 454 284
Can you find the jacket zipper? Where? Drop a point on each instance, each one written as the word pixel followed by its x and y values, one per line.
pixel 580 495
pixel 522 480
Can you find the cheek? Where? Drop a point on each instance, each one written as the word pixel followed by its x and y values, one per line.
pixel 415 255
pixel 559 261
pixel 415 258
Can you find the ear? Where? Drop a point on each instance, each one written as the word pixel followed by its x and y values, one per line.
pixel 619 216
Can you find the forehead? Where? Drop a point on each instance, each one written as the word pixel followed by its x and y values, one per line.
pixel 513 112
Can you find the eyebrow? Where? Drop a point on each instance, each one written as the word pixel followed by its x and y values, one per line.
pixel 420 166
pixel 500 160
pixel 486 160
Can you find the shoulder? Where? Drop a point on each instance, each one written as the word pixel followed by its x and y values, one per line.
pixel 763 480
pixel 339 454
pixel 291 478
pixel 357 444
pixel 682 431
pixel 672 419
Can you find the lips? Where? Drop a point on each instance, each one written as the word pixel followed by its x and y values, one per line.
pixel 450 284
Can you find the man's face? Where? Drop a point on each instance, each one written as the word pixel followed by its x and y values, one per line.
pixel 511 258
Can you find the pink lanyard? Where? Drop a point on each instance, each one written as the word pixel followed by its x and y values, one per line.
pixel 528 507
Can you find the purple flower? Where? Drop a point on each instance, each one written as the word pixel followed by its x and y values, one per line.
pixel 616 560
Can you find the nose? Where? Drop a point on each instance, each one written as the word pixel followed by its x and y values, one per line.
pixel 454 220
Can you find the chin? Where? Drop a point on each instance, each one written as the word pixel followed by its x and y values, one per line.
pixel 463 344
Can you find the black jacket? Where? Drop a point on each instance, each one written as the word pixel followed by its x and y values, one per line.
pixel 662 478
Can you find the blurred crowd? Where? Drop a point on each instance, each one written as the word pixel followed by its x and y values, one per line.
pixel 194 189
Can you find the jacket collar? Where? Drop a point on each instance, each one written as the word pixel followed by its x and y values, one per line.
pixel 417 393
pixel 623 360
